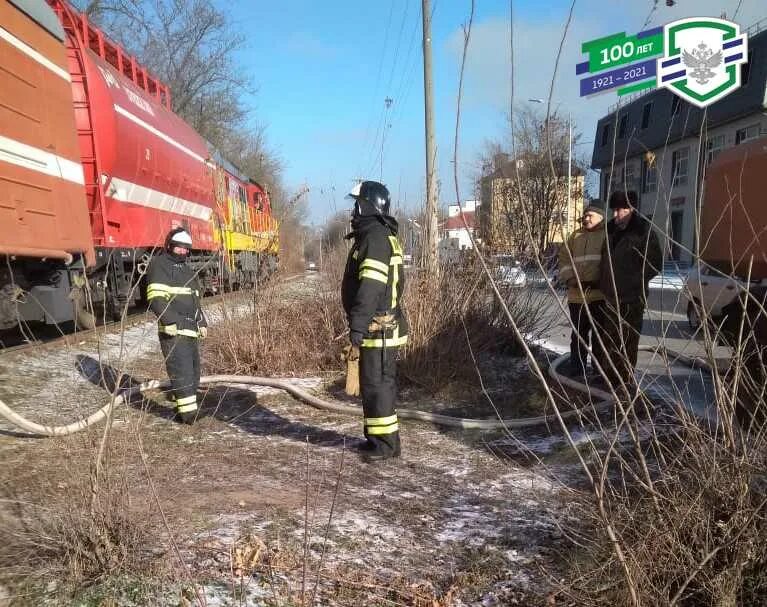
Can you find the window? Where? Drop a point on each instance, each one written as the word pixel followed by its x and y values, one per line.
pixel 606 183
pixel 676 105
pixel 646 115
pixel 679 165
pixel 714 145
pixel 747 133
pixel 605 134
pixel 622 124
pixel 649 176
pixel 629 178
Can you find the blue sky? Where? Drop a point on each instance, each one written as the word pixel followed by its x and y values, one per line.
pixel 324 69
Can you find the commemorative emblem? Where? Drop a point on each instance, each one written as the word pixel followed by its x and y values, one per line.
pixel 702 60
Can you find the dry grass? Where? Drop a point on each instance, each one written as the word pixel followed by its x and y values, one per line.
pixel 457 319
pixel 677 514
pixel 280 335
pixel 71 540
pixel 451 322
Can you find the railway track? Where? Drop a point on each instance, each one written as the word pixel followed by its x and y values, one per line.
pixel 131 319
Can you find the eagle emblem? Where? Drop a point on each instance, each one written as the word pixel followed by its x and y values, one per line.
pixel 701 61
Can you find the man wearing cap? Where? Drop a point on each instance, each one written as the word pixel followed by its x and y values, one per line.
pixel 631 257
pixel 174 296
pixel 371 292
pixel 579 270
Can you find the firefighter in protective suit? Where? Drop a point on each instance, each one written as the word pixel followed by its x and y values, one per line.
pixel 372 289
pixel 174 296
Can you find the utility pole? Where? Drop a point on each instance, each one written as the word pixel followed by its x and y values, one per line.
pixel 429 250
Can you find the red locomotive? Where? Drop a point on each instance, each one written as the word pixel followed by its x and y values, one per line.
pixel 95 169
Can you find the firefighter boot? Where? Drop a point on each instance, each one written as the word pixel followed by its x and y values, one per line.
pixel 185 418
pixel 186 409
pixel 376 449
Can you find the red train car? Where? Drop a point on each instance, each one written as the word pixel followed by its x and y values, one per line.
pixel 146 170
pixel 129 170
pixel 45 236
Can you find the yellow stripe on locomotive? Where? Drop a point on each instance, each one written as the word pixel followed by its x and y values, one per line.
pixel 244 222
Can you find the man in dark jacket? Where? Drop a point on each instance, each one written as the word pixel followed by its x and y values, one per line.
pixel 632 256
pixel 174 296
pixel 372 289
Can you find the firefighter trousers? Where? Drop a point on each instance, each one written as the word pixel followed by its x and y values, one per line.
pixel 378 386
pixel 182 361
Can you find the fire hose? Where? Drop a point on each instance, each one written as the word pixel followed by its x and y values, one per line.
pixel 604 399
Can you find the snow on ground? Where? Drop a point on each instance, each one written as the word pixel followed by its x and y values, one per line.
pixel 449 505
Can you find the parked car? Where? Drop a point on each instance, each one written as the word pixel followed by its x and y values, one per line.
pixel 512 275
pixel 673 276
pixel 706 292
pixel 311 265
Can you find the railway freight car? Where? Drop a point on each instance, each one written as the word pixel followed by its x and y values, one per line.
pixel 45 236
pixel 142 171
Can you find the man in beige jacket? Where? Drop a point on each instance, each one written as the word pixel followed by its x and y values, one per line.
pixel 579 269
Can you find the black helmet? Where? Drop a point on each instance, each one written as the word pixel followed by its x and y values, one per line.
pixel 370 198
pixel 178 237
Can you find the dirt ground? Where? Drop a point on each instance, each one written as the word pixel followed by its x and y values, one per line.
pixel 264 502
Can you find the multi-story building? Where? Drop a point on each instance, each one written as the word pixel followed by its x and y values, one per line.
pixel 659 145
pixel 501 227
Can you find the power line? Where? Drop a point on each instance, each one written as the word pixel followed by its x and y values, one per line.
pixel 374 155
pixel 408 73
pixel 378 76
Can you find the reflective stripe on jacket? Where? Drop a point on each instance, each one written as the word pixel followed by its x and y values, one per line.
pixel 173 293
pixel 373 282
pixel 584 260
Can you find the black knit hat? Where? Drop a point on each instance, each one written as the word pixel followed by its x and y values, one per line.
pixel 620 199
pixel 595 206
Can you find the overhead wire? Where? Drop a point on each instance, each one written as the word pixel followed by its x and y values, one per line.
pixel 386 125
pixel 378 79
pixel 407 76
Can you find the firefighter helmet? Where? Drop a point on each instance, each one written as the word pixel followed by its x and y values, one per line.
pixel 370 198
pixel 178 237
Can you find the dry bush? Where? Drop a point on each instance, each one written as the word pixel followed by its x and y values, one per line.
pixel 282 332
pixel 678 510
pixel 457 318
pixel 698 537
pixel 71 540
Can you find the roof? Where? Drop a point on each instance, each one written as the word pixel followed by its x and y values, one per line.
pixel 43 14
pixel 661 130
pixel 456 223
pixel 507 170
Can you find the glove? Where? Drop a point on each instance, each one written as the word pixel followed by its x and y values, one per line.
pixel 355 338
pixel 203 332
pixel 351 352
pixel 170 329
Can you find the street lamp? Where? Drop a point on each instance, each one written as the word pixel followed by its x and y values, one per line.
pixel 569 160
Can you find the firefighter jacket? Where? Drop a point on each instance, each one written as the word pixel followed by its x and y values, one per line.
pixel 634 258
pixel 373 282
pixel 581 257
pixel 174 295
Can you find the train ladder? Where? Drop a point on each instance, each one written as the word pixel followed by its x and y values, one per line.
pixel 83 119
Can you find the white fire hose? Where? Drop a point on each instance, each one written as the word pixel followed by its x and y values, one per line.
pixel 604 399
